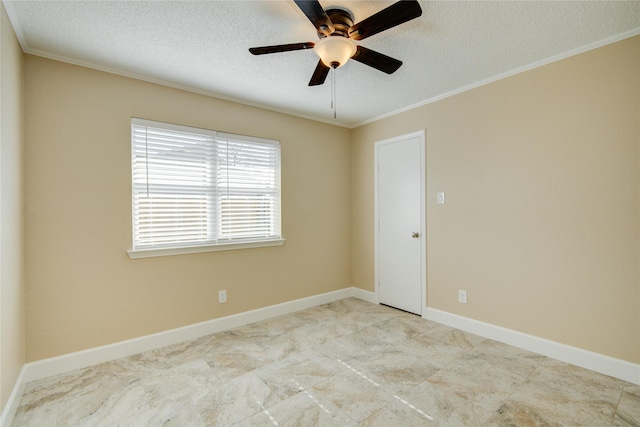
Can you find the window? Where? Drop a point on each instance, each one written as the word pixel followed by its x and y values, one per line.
pixel 197 190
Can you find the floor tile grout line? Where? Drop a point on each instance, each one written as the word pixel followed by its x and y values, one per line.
pixel 615 412
pixel 515 390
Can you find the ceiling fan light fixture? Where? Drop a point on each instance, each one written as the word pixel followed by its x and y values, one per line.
pixel 335 50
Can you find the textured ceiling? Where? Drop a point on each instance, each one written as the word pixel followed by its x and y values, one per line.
pixel 203 46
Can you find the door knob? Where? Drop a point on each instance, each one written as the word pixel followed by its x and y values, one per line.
pixel 415 235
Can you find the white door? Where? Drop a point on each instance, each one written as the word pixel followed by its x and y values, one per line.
pixel 400 220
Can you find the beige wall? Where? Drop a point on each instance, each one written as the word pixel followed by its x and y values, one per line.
pixel 83 290
pixel 12 310
pixel 541 225
pixel 541 221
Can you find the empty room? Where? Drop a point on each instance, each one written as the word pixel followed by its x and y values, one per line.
pixel 332 213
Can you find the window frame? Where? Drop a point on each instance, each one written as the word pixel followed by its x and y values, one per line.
pixel 186 248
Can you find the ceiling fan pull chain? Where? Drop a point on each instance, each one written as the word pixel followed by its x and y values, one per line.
pixel 333 91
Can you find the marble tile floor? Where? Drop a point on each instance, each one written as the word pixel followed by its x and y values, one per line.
pixel 347 363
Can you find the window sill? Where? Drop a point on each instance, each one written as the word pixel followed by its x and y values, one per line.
pixel 149 253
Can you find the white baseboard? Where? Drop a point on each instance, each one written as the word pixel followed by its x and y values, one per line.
pixel 11 406
pixel 607 365
pixel 365 295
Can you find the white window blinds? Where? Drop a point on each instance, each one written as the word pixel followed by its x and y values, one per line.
pixel 195 187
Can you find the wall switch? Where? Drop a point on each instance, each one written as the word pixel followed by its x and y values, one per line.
pixel 222 297
pixel 440 197
pixel 462 296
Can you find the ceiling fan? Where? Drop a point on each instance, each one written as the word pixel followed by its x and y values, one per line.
pixel 337 33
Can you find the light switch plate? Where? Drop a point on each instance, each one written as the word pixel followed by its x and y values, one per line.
pixel 440 197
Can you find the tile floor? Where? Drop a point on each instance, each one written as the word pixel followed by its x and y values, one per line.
pixel 346 363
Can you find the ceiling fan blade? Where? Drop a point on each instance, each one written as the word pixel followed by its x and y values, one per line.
pixel 377 60
pixel 396 14
pixel 280 48
pixel 319 75
pixel 316 15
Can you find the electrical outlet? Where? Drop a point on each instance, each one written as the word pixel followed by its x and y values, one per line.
pixel 222 297
pixel 462 296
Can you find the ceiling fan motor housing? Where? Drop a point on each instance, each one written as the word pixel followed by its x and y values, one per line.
pixel 342 20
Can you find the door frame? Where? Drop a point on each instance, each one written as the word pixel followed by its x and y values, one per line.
pixel 423 218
